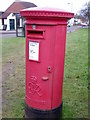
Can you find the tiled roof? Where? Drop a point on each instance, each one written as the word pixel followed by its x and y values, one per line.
pixel 4 15
pixel 15 7
pixel 1 12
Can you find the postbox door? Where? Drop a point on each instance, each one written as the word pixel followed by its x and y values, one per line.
pixel 40 68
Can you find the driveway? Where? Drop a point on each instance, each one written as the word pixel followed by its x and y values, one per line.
pixel 72 28
pixel 6 34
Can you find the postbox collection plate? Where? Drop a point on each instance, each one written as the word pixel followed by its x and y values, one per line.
pixel 34 50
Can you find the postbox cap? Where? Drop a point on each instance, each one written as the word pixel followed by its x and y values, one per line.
pixel 46 12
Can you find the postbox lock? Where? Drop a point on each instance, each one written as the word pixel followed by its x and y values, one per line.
pixel 49 69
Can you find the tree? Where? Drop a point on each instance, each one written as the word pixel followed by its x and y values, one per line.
pixel 77 16
pixel 85 12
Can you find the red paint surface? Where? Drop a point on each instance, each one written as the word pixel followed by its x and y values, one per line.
pixel 44 85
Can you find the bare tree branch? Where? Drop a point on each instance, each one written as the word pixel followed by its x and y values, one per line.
pixel 85 11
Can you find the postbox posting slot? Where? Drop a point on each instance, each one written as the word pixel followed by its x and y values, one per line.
pixel 35 33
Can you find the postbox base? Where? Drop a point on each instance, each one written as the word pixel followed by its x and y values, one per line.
pixel 40 114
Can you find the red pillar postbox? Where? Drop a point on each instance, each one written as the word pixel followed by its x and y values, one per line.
pixel 45 54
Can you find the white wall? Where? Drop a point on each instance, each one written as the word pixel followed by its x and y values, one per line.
pixel 11 16
pixel 0 23
pixel 20 22
pixel 5 21
pixel 71 21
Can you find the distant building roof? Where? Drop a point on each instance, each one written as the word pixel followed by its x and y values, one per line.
pixel 4 15
pixel 1 13
pixel 15 7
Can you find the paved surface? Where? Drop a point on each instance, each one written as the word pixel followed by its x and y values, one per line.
pixel 72 28
pixel 6 34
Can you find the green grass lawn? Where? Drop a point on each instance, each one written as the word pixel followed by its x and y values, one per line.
pixel 75 86
pixel 13 64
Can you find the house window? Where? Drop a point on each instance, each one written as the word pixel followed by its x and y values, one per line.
pixel 12 24
pixel 2 21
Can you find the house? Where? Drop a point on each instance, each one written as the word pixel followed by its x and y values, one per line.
pixel 11 19
pixel 6 18
pixel 1 21
pixel 70 22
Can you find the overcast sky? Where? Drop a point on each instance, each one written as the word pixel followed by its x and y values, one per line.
pixel 70 5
